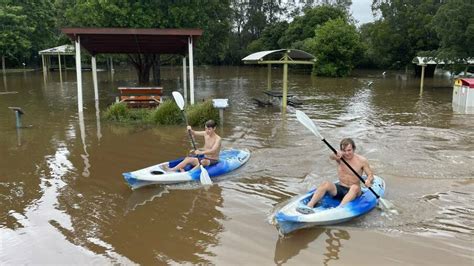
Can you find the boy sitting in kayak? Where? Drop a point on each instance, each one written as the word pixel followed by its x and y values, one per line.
pixel 348 187
pixel 209 154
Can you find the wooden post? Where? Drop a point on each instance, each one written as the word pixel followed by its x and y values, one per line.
pixel 422 78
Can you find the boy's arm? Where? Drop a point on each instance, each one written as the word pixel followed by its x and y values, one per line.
pixel 370 174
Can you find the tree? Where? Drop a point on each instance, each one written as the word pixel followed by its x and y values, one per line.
pixel 454 26
pixel 270 37
pixel 302 27
pixel 212 16
pixel 14 32
pixel 250 20
pixel 41 18
pixel 337 47
pixel 404 30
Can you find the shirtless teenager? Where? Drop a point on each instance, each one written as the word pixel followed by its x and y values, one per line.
pixel 348 187
pixel 209 154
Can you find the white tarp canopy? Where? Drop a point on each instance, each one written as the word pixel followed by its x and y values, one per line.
pixel 292 53
pixel 66 49
pixel 420 60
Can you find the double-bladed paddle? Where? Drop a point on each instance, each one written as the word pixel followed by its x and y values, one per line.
pixel 178 98
pixel 308 123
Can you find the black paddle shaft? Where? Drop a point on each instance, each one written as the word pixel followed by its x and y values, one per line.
pixel 189 131
pixel 350 167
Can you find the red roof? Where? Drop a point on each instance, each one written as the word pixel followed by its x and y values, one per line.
pixel 132 41
pixel 468 82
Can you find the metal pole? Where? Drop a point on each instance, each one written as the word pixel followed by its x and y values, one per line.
pixel 269 77
pixel 94 79
pixel 79 74
pixel 60 70
pixel 18 119
pixel 191 68
pixel 422 78
pixel 285 81
pixel 185 80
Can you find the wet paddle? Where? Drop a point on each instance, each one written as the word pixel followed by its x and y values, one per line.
pixel 308 123
pixel 178 98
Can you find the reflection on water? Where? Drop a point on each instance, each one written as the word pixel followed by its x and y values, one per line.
pixel 61 182
pixel 84 156
pixel 288 247
pixel 334 244
pixel 303 241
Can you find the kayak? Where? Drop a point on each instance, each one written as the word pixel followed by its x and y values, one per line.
pixel 229 160
pixel 290 217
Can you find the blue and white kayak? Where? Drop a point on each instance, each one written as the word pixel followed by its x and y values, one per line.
pixel 327 211
pixel 229 160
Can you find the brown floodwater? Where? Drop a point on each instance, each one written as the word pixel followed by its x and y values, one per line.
pixel 63 199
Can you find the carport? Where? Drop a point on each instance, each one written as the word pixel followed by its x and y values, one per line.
pixel 132 41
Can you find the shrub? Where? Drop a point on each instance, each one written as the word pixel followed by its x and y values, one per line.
pixel 167 113
pixel 117 112
pixel 199 113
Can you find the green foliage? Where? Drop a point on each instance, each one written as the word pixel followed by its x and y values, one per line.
pixel 167 113
pixel 404 30
pixel 302 27
pixel 117 112
pixel 213 16
pixel 199 113
pixel 454 25
pixel 270 36
pixel 14 30
pixel 337 47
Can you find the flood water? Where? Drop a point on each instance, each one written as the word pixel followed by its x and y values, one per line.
pixel 63 198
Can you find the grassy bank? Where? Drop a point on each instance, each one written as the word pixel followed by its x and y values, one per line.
pixel 167 113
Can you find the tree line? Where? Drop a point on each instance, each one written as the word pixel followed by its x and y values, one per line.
pixel 233 29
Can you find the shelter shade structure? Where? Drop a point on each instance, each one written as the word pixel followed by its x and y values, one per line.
pixel 132 41
pixel 425 61
pixel 58 51
pixel 281 57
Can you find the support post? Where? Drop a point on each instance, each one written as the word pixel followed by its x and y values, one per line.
pixel 3 64
pixel 43 64
pixel 191 69
pixel 422 78
pixel 94 78
pixel 111 65
pixel 185 80
pixel 269 77
pixel 285 81
pixel 79 74
pixel 18 114
pixel 60 69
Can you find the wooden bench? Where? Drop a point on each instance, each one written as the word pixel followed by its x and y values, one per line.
pixel 139 97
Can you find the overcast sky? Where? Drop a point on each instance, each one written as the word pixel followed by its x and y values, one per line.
pixel 361 11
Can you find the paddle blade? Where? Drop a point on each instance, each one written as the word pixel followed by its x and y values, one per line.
pixel 307 122
pixel 205 179
pixel 178 98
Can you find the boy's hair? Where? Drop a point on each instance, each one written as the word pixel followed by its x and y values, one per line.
pixel 211 123
pixel 345 142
